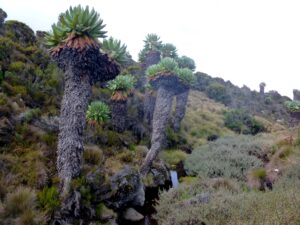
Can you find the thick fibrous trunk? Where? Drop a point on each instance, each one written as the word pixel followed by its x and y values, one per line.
pixel 119 115
pixel 296 96
pixel 181 102
pixel 72 122
pixel 82 68
pixel 149 105
pixel 261 89
pixel 152 57
pixel 160 119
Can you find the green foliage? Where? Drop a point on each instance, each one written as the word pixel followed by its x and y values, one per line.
pixel 230 157
pixel 227 205
pixel 17 67
pixel 3 99
pixel 218 92
pixel 78 22
pixel 242 123
pixel 166 65
pixel 186 75
pixel 122 83
pixel 154 70
pixel 169 50
pixel 172 157
pixel 259 173
pixel 48 199
pixel 31 114
pixel 98 112
pixel 152 42
pixel 169 64
pixel 142 55
pixel 115 50
pixel 186 62
pixel 292 106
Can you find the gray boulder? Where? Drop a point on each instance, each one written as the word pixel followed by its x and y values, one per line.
pixel 127 190
pixel 132 215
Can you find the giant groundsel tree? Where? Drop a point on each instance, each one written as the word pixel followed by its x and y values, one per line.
pixel 121 87
pixel 188 66
pixel 168 79
pixel 74 45
pixel 150 55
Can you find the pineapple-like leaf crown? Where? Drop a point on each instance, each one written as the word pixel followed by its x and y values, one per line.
pixel 152 42
pixel 170 66
pixel 98 112
pixel 169 50
pixel 122 83
pixel 76 23
pixel 115 50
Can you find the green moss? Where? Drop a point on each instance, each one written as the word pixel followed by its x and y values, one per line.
pixel 172 157
pixel 19 89
pixel 3 99
pixel 17 67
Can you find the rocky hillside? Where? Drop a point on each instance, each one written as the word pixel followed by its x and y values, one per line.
pixel 110 187
pixel 266 104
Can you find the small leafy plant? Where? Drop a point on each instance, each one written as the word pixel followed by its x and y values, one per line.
pixel 98 112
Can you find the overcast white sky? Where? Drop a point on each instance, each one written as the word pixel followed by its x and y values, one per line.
pixel 244 41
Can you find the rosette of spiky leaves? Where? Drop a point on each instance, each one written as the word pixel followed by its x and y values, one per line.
pixel 186 62
pixel 121 86
pixel 186 76
pixel 166 65
pixel 115 50
pixel 142 55
pixel 98 112
pixel 77 28
pixel 152 42
pixel 292 106
pixel 169 50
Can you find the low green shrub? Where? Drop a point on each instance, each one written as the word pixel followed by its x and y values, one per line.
pixel 292 106
pixel 242 123
pixel 202 204
pixel 230 157
pixel 172 157
pixel 219 93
